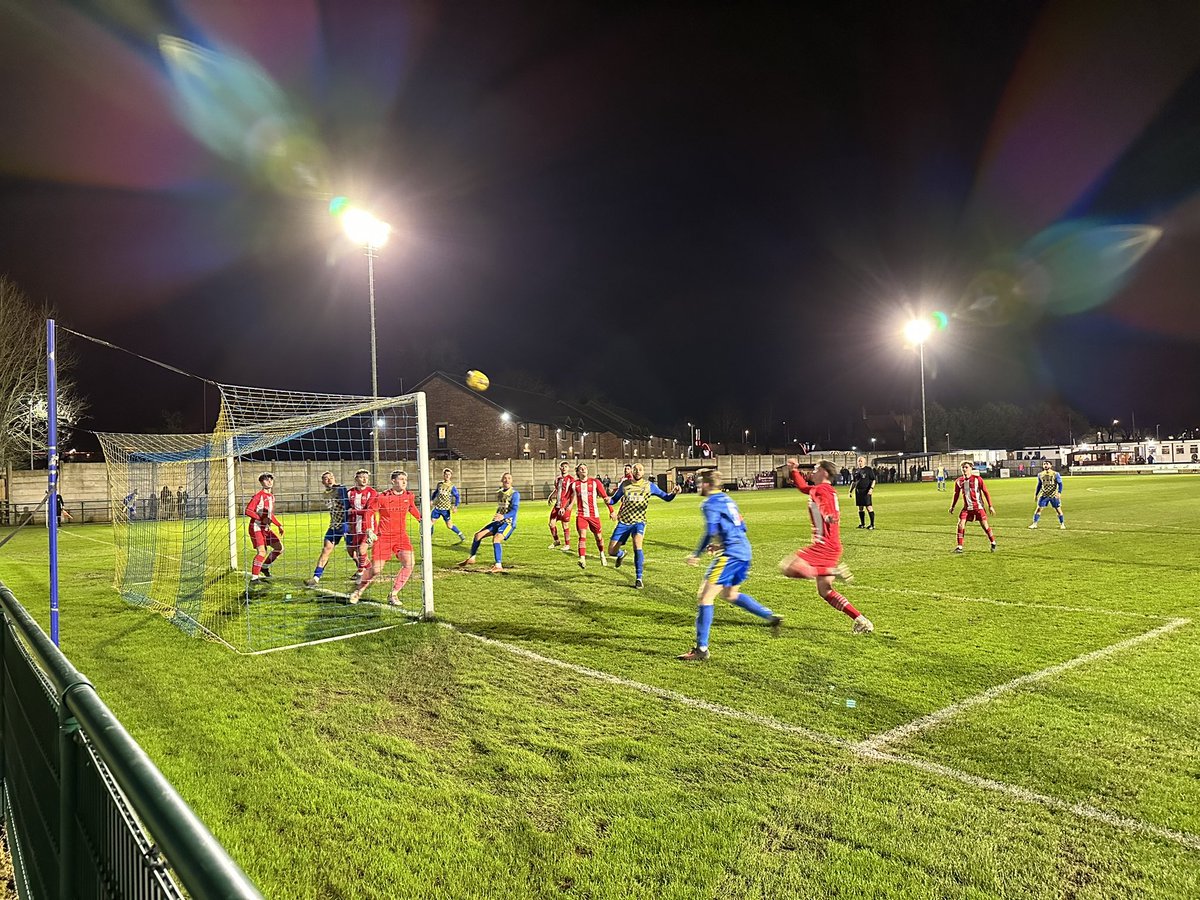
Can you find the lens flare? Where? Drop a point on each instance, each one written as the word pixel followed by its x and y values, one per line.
pixel 236 110
pixel 1069 268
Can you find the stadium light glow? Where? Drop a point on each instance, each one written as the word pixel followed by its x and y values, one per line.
pixel 505 417
pixel 364 229
pixel 918 331
pixel 381 423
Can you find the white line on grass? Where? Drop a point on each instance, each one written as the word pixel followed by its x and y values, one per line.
pixel 729 712
pixel 1025 795
pixel 84 537
pixel 337 637
pixel 933 595
pixel 903 732
pixel 1083 810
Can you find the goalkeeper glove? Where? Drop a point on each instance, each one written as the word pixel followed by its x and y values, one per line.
pixel 370 537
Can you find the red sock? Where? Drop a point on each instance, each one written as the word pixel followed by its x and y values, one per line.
pixel 988 532
pixel 270 559
pixel 960 537
pixel 582 547
pixel 840 603
pixel 256 567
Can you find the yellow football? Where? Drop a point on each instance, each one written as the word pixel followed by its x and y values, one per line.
pixel 477 381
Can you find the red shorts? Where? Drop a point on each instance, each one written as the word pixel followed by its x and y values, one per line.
pixel 591 524
pixel 815 559
pixel 973 515
pixel 558 514
pixel 264 537
pixel 386 546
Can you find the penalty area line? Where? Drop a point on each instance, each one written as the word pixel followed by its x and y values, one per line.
pixel 934 719
pixel 1022 794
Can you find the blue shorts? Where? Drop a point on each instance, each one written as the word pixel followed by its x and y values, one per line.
pixel 494 527
pixel 440 514
pixel 1043 502
pixel 623 530
pixel 335 534
pixel 727 572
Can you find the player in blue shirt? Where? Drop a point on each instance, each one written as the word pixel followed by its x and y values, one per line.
pixel 444 501
pixel 725 537
pixel 131 505
pixel 508 502
pixel 1048 492
pixel 634 495
pixel 338 503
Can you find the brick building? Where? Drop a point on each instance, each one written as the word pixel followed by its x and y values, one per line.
pixel 510 423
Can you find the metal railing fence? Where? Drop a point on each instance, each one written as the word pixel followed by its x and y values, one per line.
pixel 88 814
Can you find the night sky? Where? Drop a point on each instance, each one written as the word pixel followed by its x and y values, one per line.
pixel 685 207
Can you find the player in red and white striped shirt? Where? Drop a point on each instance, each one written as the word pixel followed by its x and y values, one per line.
pixel 360 497
pixel 975 496
pixel 261 511
pixel 588 493
pixel 560 500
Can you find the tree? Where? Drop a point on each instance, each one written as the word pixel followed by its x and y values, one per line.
pixel 23 406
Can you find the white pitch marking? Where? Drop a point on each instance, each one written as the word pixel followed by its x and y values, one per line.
pixel 1025 795
pixel 933 719
pixel 729 712
pixel 1083 810
pixel 1094 610
pixel 339 637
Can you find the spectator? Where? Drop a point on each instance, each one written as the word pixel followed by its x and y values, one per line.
pixel 60 509
pixel 181 498
pixel 164 502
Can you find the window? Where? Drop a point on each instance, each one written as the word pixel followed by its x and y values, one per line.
pixel 524 454
pixel 542 453
pixel 442 434
pixel 524 429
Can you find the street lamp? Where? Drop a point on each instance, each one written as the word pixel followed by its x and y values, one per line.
pixel 371 234
pixel 872 446
pixel 947 442
pixel 917 332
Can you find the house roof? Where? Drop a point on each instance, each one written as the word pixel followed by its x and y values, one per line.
pixel 542 409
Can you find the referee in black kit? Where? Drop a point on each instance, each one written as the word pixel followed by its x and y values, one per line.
pixel 863 489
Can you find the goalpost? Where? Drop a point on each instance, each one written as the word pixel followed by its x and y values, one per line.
pixel 183 546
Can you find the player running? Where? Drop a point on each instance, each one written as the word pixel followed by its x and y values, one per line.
pixel 863 491
pixel 360 497
pixel 975 495
pixel 560 500
pixel 338 502
pixel 444 501
pixel 820 561
pixel 1048 493
pixel 588 491
pixel 261 512
pixel 725 537
pixel 387 534
pixel 634 496
pixel 508 502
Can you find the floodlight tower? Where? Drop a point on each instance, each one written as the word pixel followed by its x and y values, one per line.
pixel 371 234
pixel 917 332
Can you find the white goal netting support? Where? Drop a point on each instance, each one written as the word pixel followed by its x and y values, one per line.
pixel 187 548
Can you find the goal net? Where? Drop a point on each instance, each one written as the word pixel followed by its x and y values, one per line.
pixel 187 548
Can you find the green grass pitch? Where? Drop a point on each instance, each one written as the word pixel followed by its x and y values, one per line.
pixel 1024 724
